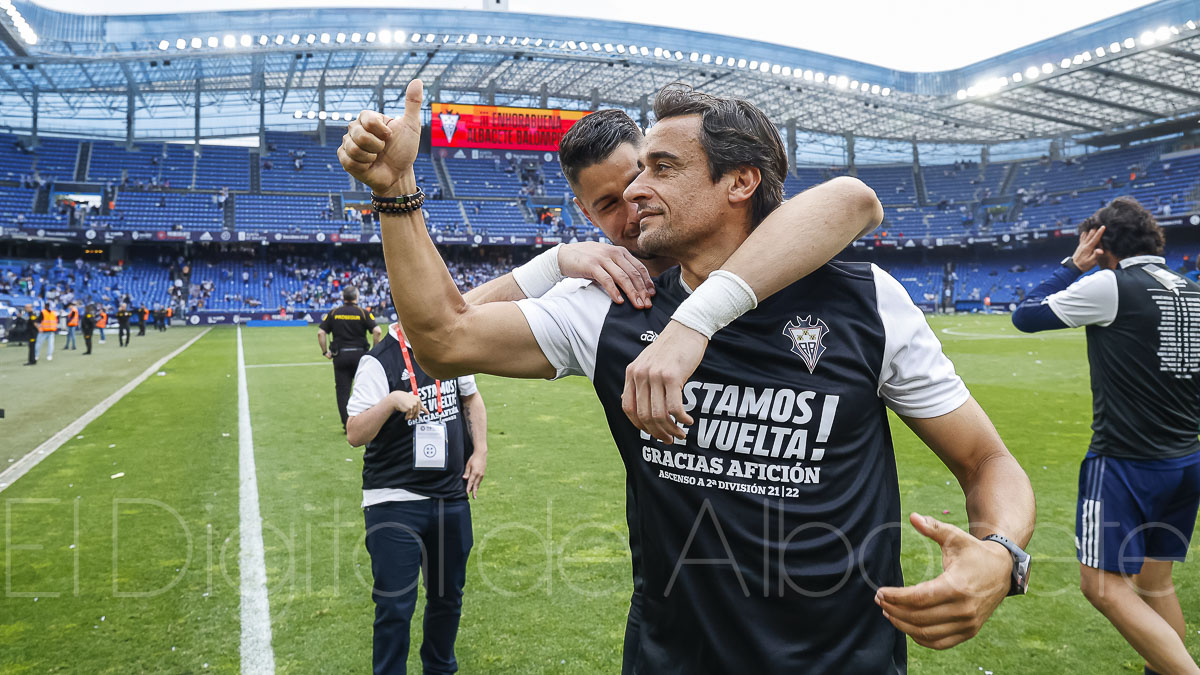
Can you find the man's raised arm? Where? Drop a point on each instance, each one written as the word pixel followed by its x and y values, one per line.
pixel 800 236
pixel 449 336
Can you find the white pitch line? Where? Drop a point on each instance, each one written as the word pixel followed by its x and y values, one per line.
pixel 257 655
pixel 288 365
pixel 22 466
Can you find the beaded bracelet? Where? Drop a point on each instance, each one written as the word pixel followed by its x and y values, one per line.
pixel 401 204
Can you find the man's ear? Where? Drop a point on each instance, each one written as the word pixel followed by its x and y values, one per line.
pixel 745 181
pixel 583 210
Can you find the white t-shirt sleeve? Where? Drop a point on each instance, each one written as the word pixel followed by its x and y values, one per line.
pixel 1090 301
pixel 916 379
pixel 467 386
pixel 567 327
pixel 370 386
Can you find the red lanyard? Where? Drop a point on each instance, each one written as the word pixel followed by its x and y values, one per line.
pixel 412 374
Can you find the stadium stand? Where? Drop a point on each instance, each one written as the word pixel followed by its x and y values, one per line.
pixel 54 158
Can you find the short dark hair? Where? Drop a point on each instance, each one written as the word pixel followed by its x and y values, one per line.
pixel 733 133
pixel 1129 229
pixel 592 139
pixel 350 294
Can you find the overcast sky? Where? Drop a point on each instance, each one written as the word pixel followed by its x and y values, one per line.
pixel 918 35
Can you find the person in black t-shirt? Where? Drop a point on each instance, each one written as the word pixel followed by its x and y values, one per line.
pixel 30 333
pixel 141 317
pixel 1139 484
pixel 779 505
pixel 123 318
pixel 348 327
pixel 426 450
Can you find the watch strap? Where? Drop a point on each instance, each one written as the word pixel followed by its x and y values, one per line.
pixel 1020 570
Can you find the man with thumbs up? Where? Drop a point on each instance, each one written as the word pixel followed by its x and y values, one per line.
pixel 771 495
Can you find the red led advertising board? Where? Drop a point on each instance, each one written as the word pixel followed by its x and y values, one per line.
pixel 499 128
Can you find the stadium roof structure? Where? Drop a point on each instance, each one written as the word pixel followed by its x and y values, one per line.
pixel 228 73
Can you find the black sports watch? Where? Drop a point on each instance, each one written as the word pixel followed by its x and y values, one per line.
pixel 1069 263
pixel 1020 570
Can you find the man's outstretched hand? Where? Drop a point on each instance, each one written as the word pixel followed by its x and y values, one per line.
pixel 380 150
pixel 612 267
pixel 952 607
pixel 653 396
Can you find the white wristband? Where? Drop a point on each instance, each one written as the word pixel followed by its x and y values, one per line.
pixel 723 297
pixel 539 275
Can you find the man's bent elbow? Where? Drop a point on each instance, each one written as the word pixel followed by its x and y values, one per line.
pixel 861 199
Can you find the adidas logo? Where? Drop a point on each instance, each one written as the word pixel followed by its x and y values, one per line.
pixel 649 336
pixel 404 376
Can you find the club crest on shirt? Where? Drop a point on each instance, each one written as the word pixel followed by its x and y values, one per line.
pixel 807 339
pixel 449 124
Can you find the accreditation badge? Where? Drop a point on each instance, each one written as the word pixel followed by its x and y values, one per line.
pixel 429 446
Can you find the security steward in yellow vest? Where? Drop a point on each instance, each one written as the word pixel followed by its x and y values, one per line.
pixel 47 329
pixel 348 327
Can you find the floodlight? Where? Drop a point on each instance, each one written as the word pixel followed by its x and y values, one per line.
pixel 874 89
pixel 197 43
pixel 503 39
pixel 278 39
pixel 1175 30
pixel 720 60
pixel 336 116
pixel 1077 60
pixel 229 41
pixel 263 40
pixel 706 58
pixel 385 36
pixel 1047 68
pixel 487 40
pixel 341 37
pixel 324 38
pixel 658 51
pixel 428 37
pixel 971 91
pixel 245 40
pixel 1163 34
pixel 753 65
pixel 787 70
pixel 775 69
pixel 370 37
pixel 842 82
pixel 854 84
pixel 1065 63
pixel 808 75
pixel 355 37
pixel 310 38
pixel 163 44
pixel 472 39
pixel 820 77
pixel 620 49
pixel 1087 56
pixel 321 115
pixel 311 114
pixel 180 43
pixel 644 50
pixel 297 114
pixel 1100 52
pixel 1191 25
pixel 886 91
pixel 764 66
pixel 864 87
pixel 212 41
pixel 1031 72
pixel 1114 47
pixel 295 39
pixel 1017 77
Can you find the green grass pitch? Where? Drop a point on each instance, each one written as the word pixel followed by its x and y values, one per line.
pixel 140 573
